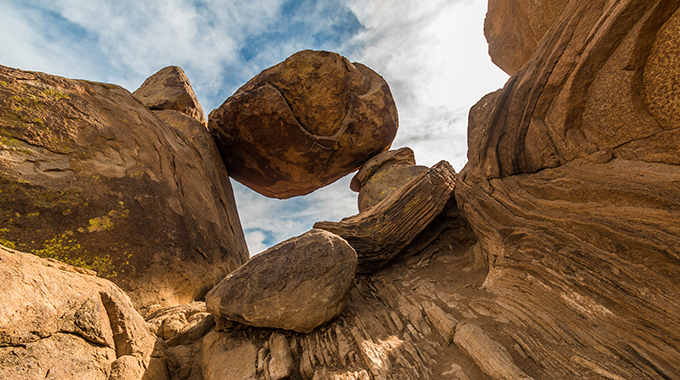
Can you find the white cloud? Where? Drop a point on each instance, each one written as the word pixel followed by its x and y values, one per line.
pixel 432 53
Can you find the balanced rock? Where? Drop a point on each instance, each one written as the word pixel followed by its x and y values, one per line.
pixel 90 176
pixel 298 285
pixel 514 27
pixel 304 123
pixel 384 174
pixel 63 322
pixel 169 89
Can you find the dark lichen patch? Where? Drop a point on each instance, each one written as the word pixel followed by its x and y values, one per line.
pixel 66 248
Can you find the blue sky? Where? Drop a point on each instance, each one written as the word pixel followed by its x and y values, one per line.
pixel 431 52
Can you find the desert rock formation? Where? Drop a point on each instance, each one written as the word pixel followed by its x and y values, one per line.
pixel 304 123
pixel 63 322
pixel 92 177
pixel 299 284
pixel 169 89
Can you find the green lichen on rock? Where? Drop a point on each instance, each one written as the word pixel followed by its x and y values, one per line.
pixel 99 224
pixel 66 248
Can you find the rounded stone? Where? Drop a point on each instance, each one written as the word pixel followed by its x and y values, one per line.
pixel 304 123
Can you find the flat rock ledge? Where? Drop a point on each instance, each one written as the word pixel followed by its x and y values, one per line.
pixel 381 232
pixel 297 285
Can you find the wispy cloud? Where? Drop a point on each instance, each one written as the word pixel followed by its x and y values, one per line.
pixel 432 53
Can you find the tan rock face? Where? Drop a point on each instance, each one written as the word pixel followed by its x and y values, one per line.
pixel 169 89
pixel 514 27
pixel 304 123
pixel 384 174
pixel 298 285
pixel 90 176
pixel 62 322
pixel 572 184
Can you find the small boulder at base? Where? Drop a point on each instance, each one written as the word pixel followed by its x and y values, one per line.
pixel 304 123
pixel 384 174
pixel 169 89
pixel 298 285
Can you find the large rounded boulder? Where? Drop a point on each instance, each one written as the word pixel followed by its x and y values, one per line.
pixel 304 123
pixel 92 177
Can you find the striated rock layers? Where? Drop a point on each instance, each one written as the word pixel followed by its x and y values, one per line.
pixel 304 123
pixel 513 28
pixel 298 285
pixel 572 189
pixel 90 176
pixel 62 322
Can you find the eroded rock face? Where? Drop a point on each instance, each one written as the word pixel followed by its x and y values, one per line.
pixel 514 27
pixel 169 89
pixel 63 322
pixel 571 188
pixel 384 174
pixel 304 123
pixel 298 285
pixel 92 177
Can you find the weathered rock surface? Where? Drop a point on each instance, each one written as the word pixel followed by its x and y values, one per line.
pixel 298 285
pixel 63 322
pixel 390 328
pixel 91 177
pixel 380 233
pixel 169 89
pixel 514 27
pixel 304 123
pixel 384 174
pixel 572 189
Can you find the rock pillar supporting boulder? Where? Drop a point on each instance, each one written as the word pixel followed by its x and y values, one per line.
pixel 380 233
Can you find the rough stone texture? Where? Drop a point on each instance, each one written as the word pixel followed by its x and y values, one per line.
pixel 572 190
pixel 382 232
pixel 280 364
pixel 384 174
pixel 513 28
pixel 63 322
pixel 298 285
pixel 304 123
pixel 91 177
pixel 169 89
pixel 224 359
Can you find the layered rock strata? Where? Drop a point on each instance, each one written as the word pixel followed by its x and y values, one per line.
pixel 380 233
pixel 304 123
pixel 571 187
pixel 92 177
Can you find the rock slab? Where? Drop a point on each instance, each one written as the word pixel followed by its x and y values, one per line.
pixel 63 322
pixel 92 177
pixel 304 123
pixel 379 234
pixel 298 285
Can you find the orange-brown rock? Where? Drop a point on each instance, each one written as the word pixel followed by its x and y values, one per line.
pixel 90 176
pixel 304 123
pixel 514 27
pixel 169 89
pixel 572 189
pixel 384 174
